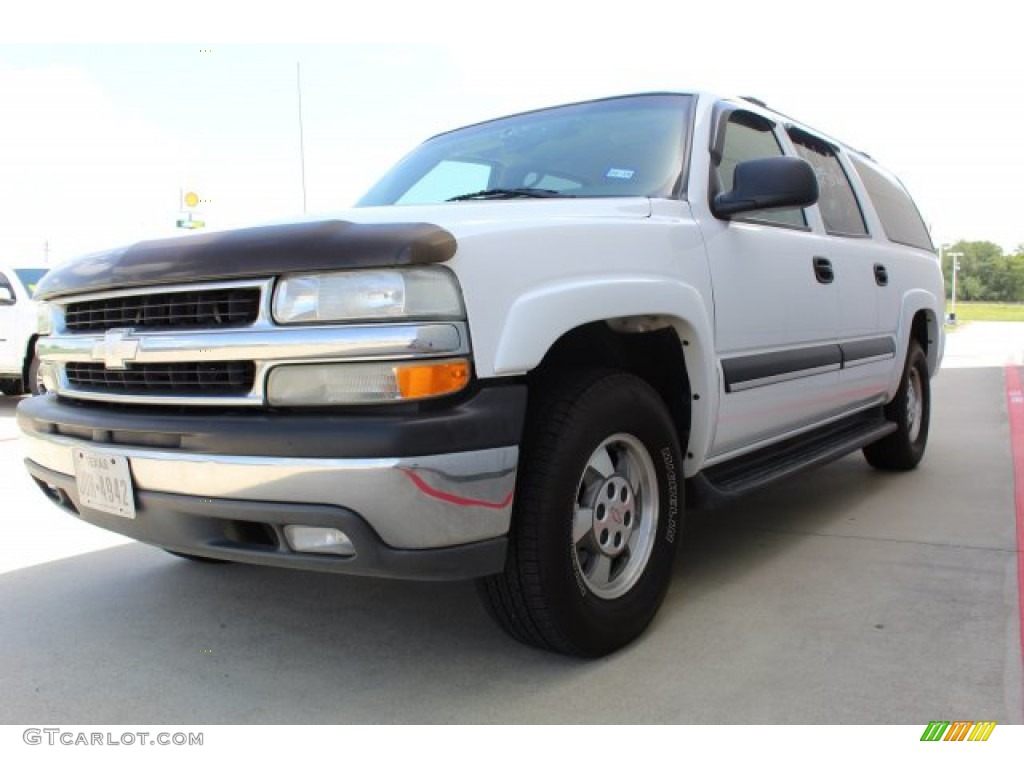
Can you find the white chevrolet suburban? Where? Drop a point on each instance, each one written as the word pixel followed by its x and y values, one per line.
pixel 507 363
pixel 18 323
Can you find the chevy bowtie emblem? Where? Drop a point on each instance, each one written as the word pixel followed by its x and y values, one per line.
pixel 116 349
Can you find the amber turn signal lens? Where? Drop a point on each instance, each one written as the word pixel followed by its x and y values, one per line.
pixel 418 381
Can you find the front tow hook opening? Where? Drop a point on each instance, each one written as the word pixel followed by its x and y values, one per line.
pixel 251 535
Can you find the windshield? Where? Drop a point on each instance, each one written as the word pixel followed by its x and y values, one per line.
pixel 30 278
pixel 630 146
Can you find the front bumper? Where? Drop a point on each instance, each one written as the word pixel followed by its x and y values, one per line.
pixel 225 487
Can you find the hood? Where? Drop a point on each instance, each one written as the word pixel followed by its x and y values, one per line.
pixel 359 238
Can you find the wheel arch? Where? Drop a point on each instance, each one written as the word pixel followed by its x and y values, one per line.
pixel 921 322
pixel 926 330
pixel 30 349
pixel 654 355
pixel 659 330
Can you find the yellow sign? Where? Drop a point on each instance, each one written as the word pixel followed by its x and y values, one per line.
pixel 191 199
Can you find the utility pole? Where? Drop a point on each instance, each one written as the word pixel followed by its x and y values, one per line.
pixel 302 140
pixel 956 268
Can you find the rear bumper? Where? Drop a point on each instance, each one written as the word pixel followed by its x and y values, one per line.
pixel 442 513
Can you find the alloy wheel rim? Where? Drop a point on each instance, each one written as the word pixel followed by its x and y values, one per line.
pixel 615 516
pixel 915 405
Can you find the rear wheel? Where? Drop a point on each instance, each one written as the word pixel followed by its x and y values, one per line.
pixel 597 517
pixel 911 411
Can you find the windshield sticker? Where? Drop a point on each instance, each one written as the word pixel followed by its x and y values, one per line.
pixel 619 173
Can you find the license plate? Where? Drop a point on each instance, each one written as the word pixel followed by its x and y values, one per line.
pixel 104 483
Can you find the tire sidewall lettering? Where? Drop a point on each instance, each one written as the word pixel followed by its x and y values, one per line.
pixel 673 494
pixel 577 574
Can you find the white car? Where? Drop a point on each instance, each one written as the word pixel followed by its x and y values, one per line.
pixel 510 362
pixel 18 329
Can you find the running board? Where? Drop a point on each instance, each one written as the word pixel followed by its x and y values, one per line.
pixel 722 483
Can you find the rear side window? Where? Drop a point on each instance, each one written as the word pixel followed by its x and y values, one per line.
pixel 749 137
pixel 900 218
pixel 836 201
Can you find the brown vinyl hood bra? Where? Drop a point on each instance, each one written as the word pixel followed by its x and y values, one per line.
pixel 253 252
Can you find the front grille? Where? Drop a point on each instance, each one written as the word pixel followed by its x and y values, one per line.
pixel 218 308
pixel 219 378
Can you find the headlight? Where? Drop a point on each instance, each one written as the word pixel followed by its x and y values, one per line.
pixel 394 294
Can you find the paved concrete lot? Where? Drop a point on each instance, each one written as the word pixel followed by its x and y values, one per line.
pixel 843 596
pixel 982 345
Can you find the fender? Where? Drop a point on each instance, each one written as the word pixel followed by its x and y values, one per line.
pixel 540 317
pixel 914 301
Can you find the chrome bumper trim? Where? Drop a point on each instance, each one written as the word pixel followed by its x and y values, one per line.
pixel 285 343
pixel 264 347
pixel 419 502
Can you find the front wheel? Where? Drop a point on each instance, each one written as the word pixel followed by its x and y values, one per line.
pixel 597 517
pixel 35 381
pixel 911 411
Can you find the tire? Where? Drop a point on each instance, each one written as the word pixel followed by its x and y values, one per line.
pixel 35 384
pixel 197 558
pixel 911 411
pixel 597 518
pixel 11 387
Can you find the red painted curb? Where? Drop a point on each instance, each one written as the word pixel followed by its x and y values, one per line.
pixel 1015 408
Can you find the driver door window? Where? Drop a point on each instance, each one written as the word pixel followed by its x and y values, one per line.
pixel 748 137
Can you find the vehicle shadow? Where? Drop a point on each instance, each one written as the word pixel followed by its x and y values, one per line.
pixel 799 603
pixel 132 634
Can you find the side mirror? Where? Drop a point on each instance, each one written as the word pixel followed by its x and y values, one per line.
pixel 768 182
pixel 6 296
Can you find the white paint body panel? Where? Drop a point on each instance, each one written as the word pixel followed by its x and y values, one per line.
pixel 18 323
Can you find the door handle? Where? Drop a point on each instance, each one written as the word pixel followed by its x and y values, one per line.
pixel 881 275
pixel 823 270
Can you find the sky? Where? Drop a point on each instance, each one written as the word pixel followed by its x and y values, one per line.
pixel 108 113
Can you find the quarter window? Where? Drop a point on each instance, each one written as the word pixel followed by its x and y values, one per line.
pixel 900 218
pixel 836 200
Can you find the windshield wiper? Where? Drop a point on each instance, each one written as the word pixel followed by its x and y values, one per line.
pixel 499 193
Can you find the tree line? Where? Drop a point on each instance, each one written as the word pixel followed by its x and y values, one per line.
pixel 986 273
